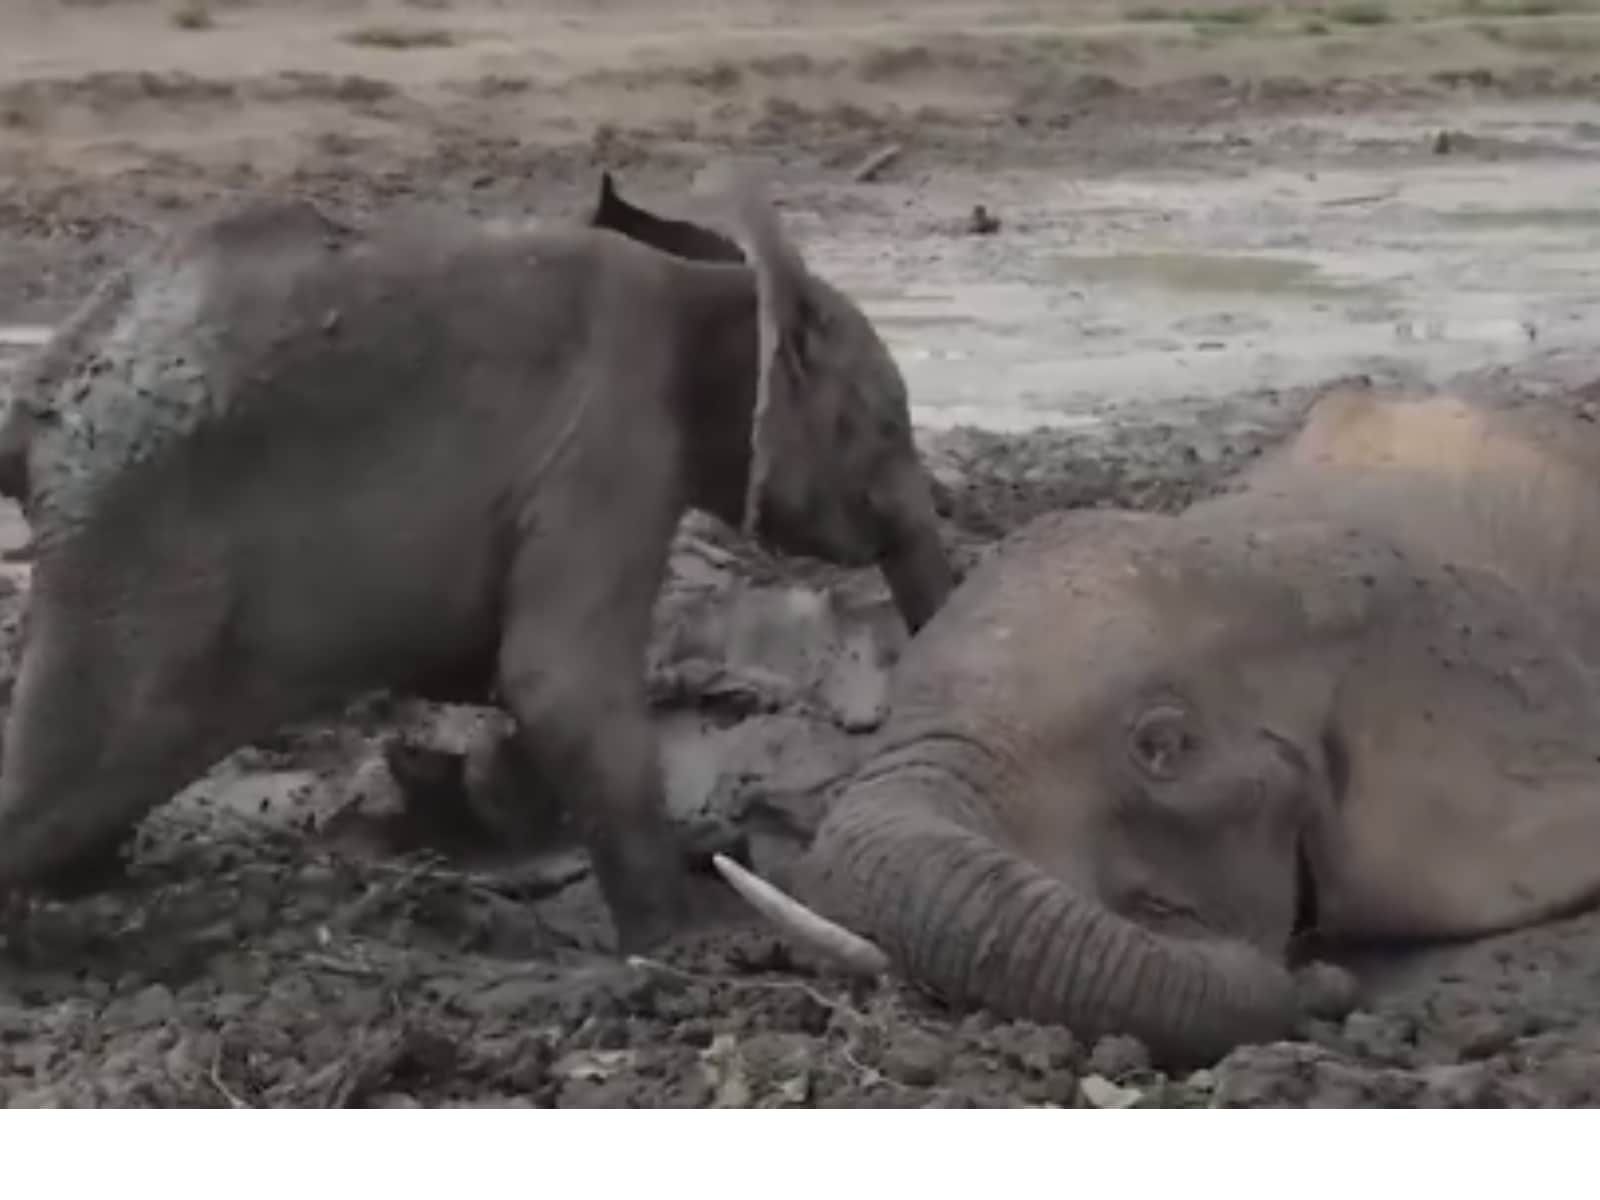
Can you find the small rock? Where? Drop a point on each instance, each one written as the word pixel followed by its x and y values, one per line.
pixel 1380 1039
pixel 916 1059
pixel 1480 1036
pixel 1100 1092
pixel 15 1022
pixel 593 1064
pixel 1117 1056
pixel 1325 991
pixel 528 1071
pixel 1463 1086
pixel 393 1100
pixel 694 1032
pixel 1041 1050
pixel 230 1006
pixel 982 222
pixel 722 1066
pixel 511 997
pixel 153 1006
pixel 191 1056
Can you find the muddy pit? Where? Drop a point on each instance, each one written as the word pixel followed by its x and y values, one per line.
pixel 1190 245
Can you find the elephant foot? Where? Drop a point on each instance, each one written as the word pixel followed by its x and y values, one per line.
pixel 704 907
pixel 682 903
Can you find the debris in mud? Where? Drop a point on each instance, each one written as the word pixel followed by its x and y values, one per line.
pixel 877 163
pixel 1100 1092
pixel 980 221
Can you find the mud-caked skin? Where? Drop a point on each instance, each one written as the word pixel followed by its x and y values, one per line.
pixel 281 461
pixel 1129 745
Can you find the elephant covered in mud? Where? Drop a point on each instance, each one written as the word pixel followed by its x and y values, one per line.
pixel 1353 695
pixel 282 461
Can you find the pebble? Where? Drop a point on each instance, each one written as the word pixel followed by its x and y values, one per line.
pixel 152 1006
pixel 1118 1056
pixel 916 1059
pixel 1380 1039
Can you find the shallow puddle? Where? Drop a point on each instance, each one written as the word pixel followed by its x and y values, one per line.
pixel 1188 271
pixel 1518 218
pixel 1151 289
pixel 23 336
pixel 1156 289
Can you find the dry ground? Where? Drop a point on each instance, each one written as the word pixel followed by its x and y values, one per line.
pixel 1207 211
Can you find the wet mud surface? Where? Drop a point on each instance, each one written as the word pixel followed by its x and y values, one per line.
pixel 1181 262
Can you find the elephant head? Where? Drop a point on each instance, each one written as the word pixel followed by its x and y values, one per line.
pixel 1102 758
pixel 833 470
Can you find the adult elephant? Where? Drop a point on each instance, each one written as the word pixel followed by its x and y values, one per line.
pixel 1356 692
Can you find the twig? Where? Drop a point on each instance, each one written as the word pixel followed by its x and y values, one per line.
pixel 875 165
pixel 340 966
pixel 837 1007
pixel 376 893
pixel 527 885
pixel 363 1070
pixel 215 1075
pixel 1366 198
pixel 867 1075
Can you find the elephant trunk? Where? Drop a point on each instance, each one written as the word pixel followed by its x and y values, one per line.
pixel 914 562
pixel 957 913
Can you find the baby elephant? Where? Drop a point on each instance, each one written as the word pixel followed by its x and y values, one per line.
pixel 282 461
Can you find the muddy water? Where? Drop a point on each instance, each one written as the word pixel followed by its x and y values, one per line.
pixel 16 341
pixel 1142 290
pixel 14 338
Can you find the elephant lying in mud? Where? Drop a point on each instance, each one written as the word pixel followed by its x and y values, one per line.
pixel 283 461
pixel 1354 695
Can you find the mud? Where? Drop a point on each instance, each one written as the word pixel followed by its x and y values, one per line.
pixel 1188 247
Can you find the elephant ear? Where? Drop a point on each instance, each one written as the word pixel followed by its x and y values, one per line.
pixel 683 239
pixel 786 414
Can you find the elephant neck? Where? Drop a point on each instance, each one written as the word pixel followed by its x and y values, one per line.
pixel 715 393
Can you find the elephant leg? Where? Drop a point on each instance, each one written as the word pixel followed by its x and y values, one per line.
pixel 116 709
pixel 582 717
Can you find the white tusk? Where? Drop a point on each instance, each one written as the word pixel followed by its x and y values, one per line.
pixel 850 950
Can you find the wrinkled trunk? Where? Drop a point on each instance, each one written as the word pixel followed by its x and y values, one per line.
pixel 978 925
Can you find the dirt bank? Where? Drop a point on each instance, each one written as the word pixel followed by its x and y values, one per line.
pixel 1202 220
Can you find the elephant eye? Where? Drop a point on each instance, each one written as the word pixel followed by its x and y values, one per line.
pixel 1162 740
